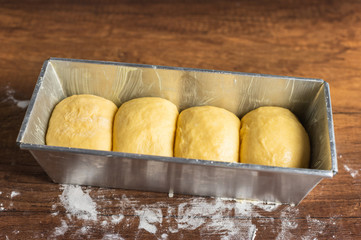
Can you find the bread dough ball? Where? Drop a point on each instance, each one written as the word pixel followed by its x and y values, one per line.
pixel 208 133
pixel 82 121
pixel 145 126
pixel 273 136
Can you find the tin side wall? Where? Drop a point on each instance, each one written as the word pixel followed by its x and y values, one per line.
pixel 162 176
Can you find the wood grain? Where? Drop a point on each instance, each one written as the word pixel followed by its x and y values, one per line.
pixel 296 38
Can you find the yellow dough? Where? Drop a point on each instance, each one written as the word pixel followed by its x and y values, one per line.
pixel 82 121
pixel 273 136
pixel 208 133
pixel 145 126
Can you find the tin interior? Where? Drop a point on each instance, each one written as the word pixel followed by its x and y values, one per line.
pixel 236 92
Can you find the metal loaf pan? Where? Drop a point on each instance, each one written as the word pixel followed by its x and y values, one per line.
pixel 237 92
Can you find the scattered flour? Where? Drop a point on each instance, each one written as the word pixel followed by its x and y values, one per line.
pixel 217 217
pixel 190 214
pixel 83 230
pixel 229 218
pixel 268 207
pixel 245 208
pixel 112 236
pixel 54 214
pixel 172 230
pixel 315 227
pixel 78 203
pixel 14 194
pixel 10 97
pixel 104 223
pixel 288 223
pixel 352 172
pixel 148 217
pixel 61 230
pixel 117 218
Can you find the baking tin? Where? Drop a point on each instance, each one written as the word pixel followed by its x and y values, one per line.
pixel 237 92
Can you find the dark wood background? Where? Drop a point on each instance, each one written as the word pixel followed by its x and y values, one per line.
pixel 320 39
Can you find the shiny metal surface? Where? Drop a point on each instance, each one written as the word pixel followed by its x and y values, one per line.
pixel 239 93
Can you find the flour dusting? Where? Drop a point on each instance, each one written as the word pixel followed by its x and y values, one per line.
pixel 246 208
pixel 352 172
pixel 148 218
pixel 228 218
pixel 268 207
pixel 61 230
pixel 190 215
pixel 288 223
pixel 217 216
pixel 10 97
pixel 117 218
pixel 54 214
pixel 14 194
pixel 78 203
pixel 112 236
pixel 315 227
pixel 84 230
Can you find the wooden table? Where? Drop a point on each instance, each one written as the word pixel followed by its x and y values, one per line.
pixel 296 38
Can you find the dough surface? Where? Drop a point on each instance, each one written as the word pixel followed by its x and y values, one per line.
pixel 82 121
pixel 208 133
pixel 273 136
pixel 145 126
